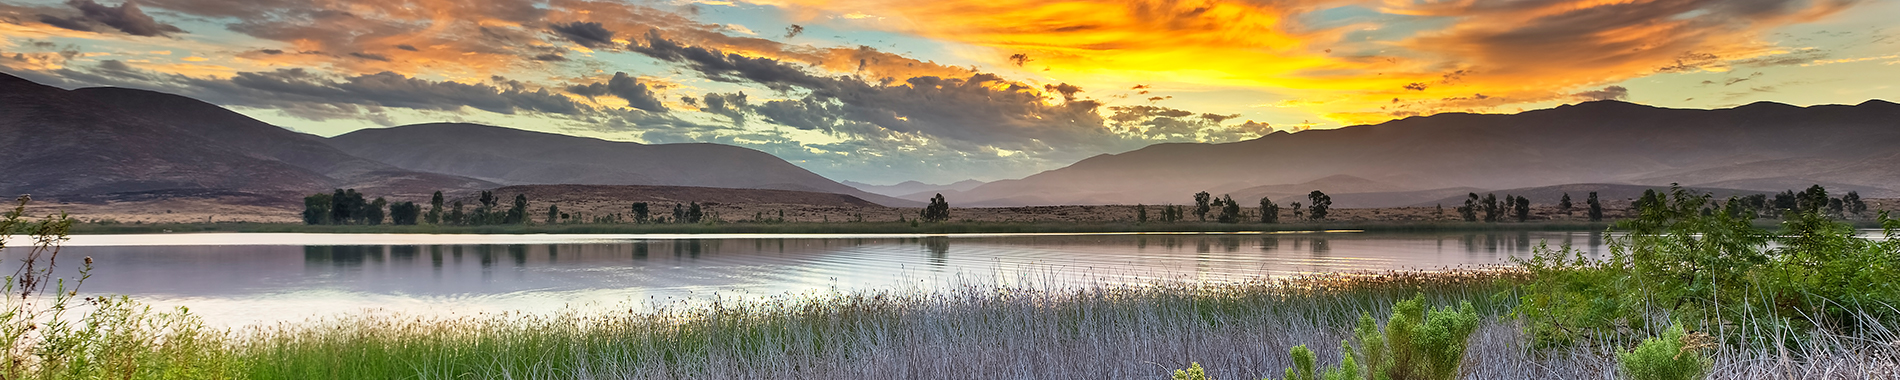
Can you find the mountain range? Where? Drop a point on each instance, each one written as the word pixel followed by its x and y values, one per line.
pixel 117 143
pixel 1418 160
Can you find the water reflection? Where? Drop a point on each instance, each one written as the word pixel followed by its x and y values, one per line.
pixel 244 284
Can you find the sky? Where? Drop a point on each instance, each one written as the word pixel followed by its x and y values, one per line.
pixel 882 91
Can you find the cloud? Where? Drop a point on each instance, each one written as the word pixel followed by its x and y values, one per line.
pixel 624 87
pixel 1607 93
pixel 126 18
pixel 589 34
pixel 732 106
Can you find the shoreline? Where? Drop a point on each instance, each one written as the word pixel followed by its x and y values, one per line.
pixel 841 228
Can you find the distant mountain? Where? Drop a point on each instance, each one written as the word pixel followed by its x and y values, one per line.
pixel 518 157
pixel 266 141
pixel 1757 147
pixel 909 188
pixel 93 143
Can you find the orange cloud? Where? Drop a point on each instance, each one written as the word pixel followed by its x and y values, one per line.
pixel 1492 55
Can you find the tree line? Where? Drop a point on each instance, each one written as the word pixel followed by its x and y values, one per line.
pixel 1491 209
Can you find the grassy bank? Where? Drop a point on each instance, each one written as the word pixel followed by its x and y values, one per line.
pixel 1810 300
pixel 836 228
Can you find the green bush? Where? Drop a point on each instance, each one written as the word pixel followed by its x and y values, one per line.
pixel 1193 372
pixel 1417 344
pixel 1674 355
pixel 1706 264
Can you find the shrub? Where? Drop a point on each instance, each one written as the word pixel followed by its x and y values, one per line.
pixel 1674 355
pixel 1417 343
pixel 1193 372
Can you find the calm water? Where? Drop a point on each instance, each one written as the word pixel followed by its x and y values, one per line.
pixel 240 279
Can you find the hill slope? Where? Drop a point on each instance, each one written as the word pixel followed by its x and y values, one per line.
pixel 518 157
pixel 1762 147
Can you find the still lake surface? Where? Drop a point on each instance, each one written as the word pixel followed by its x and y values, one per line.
pixel 248 279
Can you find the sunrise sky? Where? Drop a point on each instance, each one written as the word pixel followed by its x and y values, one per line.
pixel 939 91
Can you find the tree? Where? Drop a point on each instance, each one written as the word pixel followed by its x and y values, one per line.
pixel 1321 204
pixel 1812 200
pixel 373 214
pixel 1141 213
pixel 456 217
pixel 679 213
pixel 518 214
pixel 1269 212
pixel 937 211
pixel 435 208
pixel 1855 205
pixel 1563 205
pixel 1523 209
pixel 693 213
pixel 1470 210
pixel 1785 202
pixel 1491 208
pixel 554 212
pixel 1836 207
pixel 641 213
pixel 404 213
pixel 1298 212
pixel 1596 208
pixel 316 209
pixel 1201 206
pixel 1229 210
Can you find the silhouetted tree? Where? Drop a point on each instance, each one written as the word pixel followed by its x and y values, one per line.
pixel 1523 209
pixel 1141 213
pixel 1786 202
pixel 316 209
pixel 1269 212
pixel 641 213
pixel 435 208
pixel 693 213
pixel 1563 205
pixel 1812 200
pixel 1855 205
pixel 1491 208
pixel 456 217
pixel 937 211
pixel 1229 210
pixel 1596 208
pixel 1201 206
pixel 1836 207
pixel 1470 210
pixel 554 211
pixel 404 213
pixel 374 214
pixel 518 213
pixel 679 213
pixel 1298 212
pixel 1322 203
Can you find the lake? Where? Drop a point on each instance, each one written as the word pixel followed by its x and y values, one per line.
pixel 246 279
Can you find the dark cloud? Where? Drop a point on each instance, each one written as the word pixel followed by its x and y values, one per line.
pixel 625 87
pixel 730 105
pixel 589 34
pixel 126 18
pixel 370 56
pixel 550 58
pixel 718 66
pixel 407 47
pixel 1607 93
pixel 73 23
pixel 316 96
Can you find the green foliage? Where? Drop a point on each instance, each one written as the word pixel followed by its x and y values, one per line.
pixel 1417 344
pixel 1193 372
pixel 373 213
pixel 316 209
pixel 404 213
pixel 1715 269
pixel 1674 355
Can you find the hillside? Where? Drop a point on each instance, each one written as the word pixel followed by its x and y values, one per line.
pixel 517 157
pixel 65 144
pixel 1758 147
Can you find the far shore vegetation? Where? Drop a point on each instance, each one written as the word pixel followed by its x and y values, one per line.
pixel 348 211
pixel 1692 288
